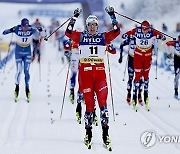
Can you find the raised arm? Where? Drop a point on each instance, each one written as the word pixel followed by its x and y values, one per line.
pixel 111 35
pixel 73 35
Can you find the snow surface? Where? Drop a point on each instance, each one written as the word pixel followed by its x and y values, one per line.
pixel 36 128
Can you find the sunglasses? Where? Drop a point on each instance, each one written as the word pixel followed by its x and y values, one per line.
pixel 92 24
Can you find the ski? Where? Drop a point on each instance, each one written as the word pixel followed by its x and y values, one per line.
pixel 177 98
pixel 134 107
pixel 108 147
pixel 15 97
pixel 87 144
pixel 147 108
pixel 71 97
pixel 78 117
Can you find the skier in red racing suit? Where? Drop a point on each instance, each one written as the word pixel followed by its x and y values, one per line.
pixel 142 57
pixel 92 46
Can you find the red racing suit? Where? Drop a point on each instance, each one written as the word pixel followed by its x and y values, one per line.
pixel 92 76
pixel 143 51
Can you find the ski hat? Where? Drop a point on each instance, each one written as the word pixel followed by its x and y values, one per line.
pixel 145 25
pixel 92 19
pixel 24 22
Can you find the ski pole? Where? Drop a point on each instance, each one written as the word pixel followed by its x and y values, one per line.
pixel 8 52
pixel 110 86
pixel 156 59
pixel 62 68
pixel 125 68
pixel 39 71
pixel 65 90
pixel 143 25
pixel 46 38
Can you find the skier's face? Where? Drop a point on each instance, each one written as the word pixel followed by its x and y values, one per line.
pixel 25 28
pixel 92 28
pixel 145 30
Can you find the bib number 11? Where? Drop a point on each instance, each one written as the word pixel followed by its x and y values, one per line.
pixel 93 50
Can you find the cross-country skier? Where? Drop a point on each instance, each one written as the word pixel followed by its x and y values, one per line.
pixel 23 33
pixel 71 51
pixel 176 45
pixel 92 46
pixel 131 42
pixel 142 57
pixel 37 40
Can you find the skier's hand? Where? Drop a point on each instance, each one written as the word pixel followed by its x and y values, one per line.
pixel 40 29
pixel 110 10
pixel 125 36
pixel 163 38
pixel 77 12
pixel 169 56
pixel 67 54
pixel 120 59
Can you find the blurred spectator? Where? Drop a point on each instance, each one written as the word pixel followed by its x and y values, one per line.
pixel 178 27
pixel 164 27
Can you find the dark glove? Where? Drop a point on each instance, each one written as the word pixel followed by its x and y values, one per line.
pixel 163 38
pixel 67 54
pixel 77 12
pixel 40 29
pixel 169 56
pixel 120 59
pixel 125 36
pixel 110 10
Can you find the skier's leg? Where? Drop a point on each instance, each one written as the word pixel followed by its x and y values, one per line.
pixel 27 61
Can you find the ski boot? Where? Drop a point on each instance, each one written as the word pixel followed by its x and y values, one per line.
pixel 71 96
pixel 95 119
pixel 128 99
pixel 134 102
pixel 88 137
pixel 140 99
pixel 106 138
pixel 146 100
pixel 176 93
pixel 78 112
pixel 27 94
pixel 16 92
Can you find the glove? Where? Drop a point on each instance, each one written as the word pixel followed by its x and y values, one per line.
pixel 4 32
pixel 40 29
pixel 111 49
pixel 77 12
pixel 120 59
pixel 169 56
pixel 163 38
pixel 67 54
pixel 110 10
pixel 125 36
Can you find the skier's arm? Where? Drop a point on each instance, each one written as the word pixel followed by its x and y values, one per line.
pixel 168 44
pixel 11 30
pixel 124 43
pixel 159 35
pixel 73 35
pixel 111 35
pixel 129 33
